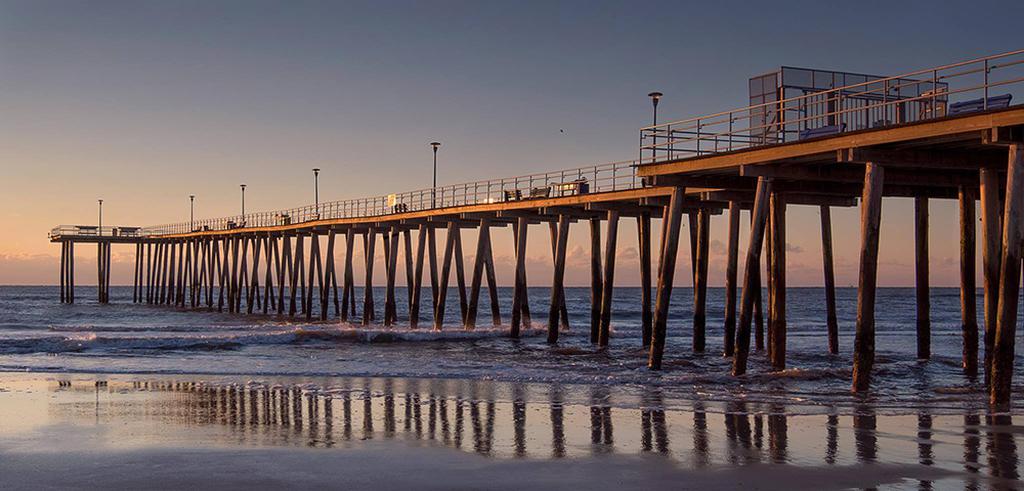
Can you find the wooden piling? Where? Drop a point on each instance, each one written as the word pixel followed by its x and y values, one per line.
pixel 446 266
pixel 700 283
pixel 751 274
pixel 460 278
pixel 330 280
pixel 831 319
pixel 608 283
pixel 731 265
pixel 417 278
pixel 63 267
pixel 644 242
pixel 492 282
pixel 871 215
pixel 407 255
pixel 777 336
pixel 595 279
pixel 563 312
pixel 1009 279
pixel 477 279
pixel 991 258
pixel 390 302
pixel 369 239
pixel 968 288
pixel 519 287
pixel 557 282
pixel 672 220
pixel 347 283
pixel 315 272
pixel 924 328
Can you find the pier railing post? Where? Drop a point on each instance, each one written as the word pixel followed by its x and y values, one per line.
pixel 871 215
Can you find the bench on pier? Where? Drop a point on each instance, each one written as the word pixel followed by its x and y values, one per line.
pixel 126 231
pixel 399 208
pixel 87 230
pixel 579 186
pixel 512 195
pixel 543 192
pixel 975 105
pixel 832 129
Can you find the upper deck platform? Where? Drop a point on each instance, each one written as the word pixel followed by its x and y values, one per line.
pixel 949 122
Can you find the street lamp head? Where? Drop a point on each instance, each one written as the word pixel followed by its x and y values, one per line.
pixel 316 170
pixel 435 145
pixel 192 197
pixel 242 186
pixel 655 97
pixel 100 200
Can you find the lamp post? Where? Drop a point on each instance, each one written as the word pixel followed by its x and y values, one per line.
pixel 191 212
pixel 433 189
pixel 243 199
pixel 655 97
pixel 316 190
pixel 100 229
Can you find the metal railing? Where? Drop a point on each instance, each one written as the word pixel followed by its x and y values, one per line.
pixel 959 88
pixel 615 176
pixel 94 231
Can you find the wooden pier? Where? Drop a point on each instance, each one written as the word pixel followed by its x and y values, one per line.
pixel 815 150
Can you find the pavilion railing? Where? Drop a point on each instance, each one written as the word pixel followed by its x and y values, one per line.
pixel 974 85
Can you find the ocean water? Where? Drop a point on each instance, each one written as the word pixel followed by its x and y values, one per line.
pixel 38 334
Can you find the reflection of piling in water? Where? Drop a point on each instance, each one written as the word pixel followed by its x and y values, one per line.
pixel 832 439
pixel 864 423
pixel 389 409
pixel 459 423
pixel 346 415
pixel 972 450
pixel 600 420
pixel 1002 448
pixel 367 415
pixel 925 456
pixel 432 420
pixel 778 435
pixel 652 418
pixel 557 424
pixel 700 435
pixel 519 420
pixel 737 431
pixel 445 426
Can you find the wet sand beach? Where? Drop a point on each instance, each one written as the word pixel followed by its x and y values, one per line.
pixel 138 431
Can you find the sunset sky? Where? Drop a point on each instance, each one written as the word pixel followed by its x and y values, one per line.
pixel 143 103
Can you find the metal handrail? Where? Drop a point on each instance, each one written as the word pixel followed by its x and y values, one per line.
pixel 870 104
pixel 614 176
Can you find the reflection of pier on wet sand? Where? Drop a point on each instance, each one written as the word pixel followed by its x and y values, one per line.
pixel 515 421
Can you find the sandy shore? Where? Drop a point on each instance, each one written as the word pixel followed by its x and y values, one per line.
pixel 127 431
